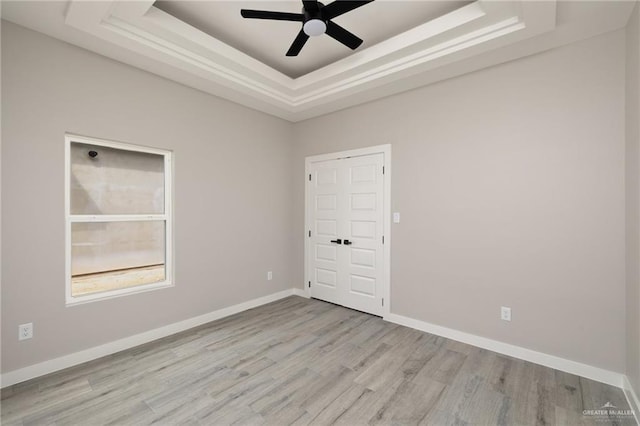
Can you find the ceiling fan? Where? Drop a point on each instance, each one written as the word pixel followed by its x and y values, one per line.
pixel 316 20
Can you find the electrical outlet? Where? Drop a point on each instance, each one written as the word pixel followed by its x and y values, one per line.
pixel 505 313
pixel 269 276
pixel 25 331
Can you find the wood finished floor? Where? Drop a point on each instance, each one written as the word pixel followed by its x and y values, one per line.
pixel 299 361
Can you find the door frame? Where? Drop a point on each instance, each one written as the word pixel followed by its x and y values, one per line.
pixel 386 249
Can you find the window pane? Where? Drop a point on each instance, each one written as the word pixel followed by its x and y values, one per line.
pixel 115 181
pixel 112 255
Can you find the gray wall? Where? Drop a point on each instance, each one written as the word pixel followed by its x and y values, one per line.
pixel 510 182
pixel 232 194
pixel 633 199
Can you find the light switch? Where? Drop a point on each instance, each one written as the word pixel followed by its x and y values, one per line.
pixel 396 217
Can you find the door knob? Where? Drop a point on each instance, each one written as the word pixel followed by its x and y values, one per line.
pixel 338 241
pixel 347 242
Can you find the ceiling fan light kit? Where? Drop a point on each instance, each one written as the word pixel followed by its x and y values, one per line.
pixel 314 27
pixel 316 20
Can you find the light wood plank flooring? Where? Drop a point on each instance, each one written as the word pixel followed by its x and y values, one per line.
pixel 299 361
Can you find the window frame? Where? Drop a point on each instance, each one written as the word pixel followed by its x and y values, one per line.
pixel 167 217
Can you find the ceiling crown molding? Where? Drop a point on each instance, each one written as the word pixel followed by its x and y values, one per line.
pixel 210 65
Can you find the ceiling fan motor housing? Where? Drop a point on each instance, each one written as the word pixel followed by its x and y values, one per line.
pixel 314 24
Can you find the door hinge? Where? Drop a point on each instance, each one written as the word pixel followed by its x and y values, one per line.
pixel 383 239
pixel 383 301
pixel 309 177
pixel 309 233
pixel 382 169
pixel 309 284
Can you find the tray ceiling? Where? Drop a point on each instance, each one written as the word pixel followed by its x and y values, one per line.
pixel 206 45
pixel 267 41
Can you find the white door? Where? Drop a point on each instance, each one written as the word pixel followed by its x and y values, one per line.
pixel 346 213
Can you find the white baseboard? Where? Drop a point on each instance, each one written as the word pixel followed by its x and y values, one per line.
pixel 300 292
pixel 46 367
pixel 632 398
pixel 552 361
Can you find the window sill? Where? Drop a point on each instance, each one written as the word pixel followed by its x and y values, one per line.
pixel 96 297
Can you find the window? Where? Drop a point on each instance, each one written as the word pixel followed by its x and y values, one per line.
pixel 118 219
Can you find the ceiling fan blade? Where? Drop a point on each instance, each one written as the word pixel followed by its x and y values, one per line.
pixel 343 36
pixel 266 14
pixel 339 7
pixel 310 5
pixel 297 44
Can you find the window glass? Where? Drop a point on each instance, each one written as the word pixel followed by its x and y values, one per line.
pixel 106 180
pixel 118 229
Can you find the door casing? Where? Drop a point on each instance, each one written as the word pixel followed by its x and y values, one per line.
pixel 386 151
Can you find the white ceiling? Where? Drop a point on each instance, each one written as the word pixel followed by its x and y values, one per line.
pixel 464 39
pixel 268 41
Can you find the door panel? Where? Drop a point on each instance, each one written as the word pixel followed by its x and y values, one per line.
pixel 326 176
pixel 326 252
pixel 363 258
pixel 327 227
pixel 364 214
pixel 324 228
pixel 346 202
pixel 326 277
pixel 363 229
pixel 363 173
pixel 326 202
pixel 362 285
pixel 365 202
